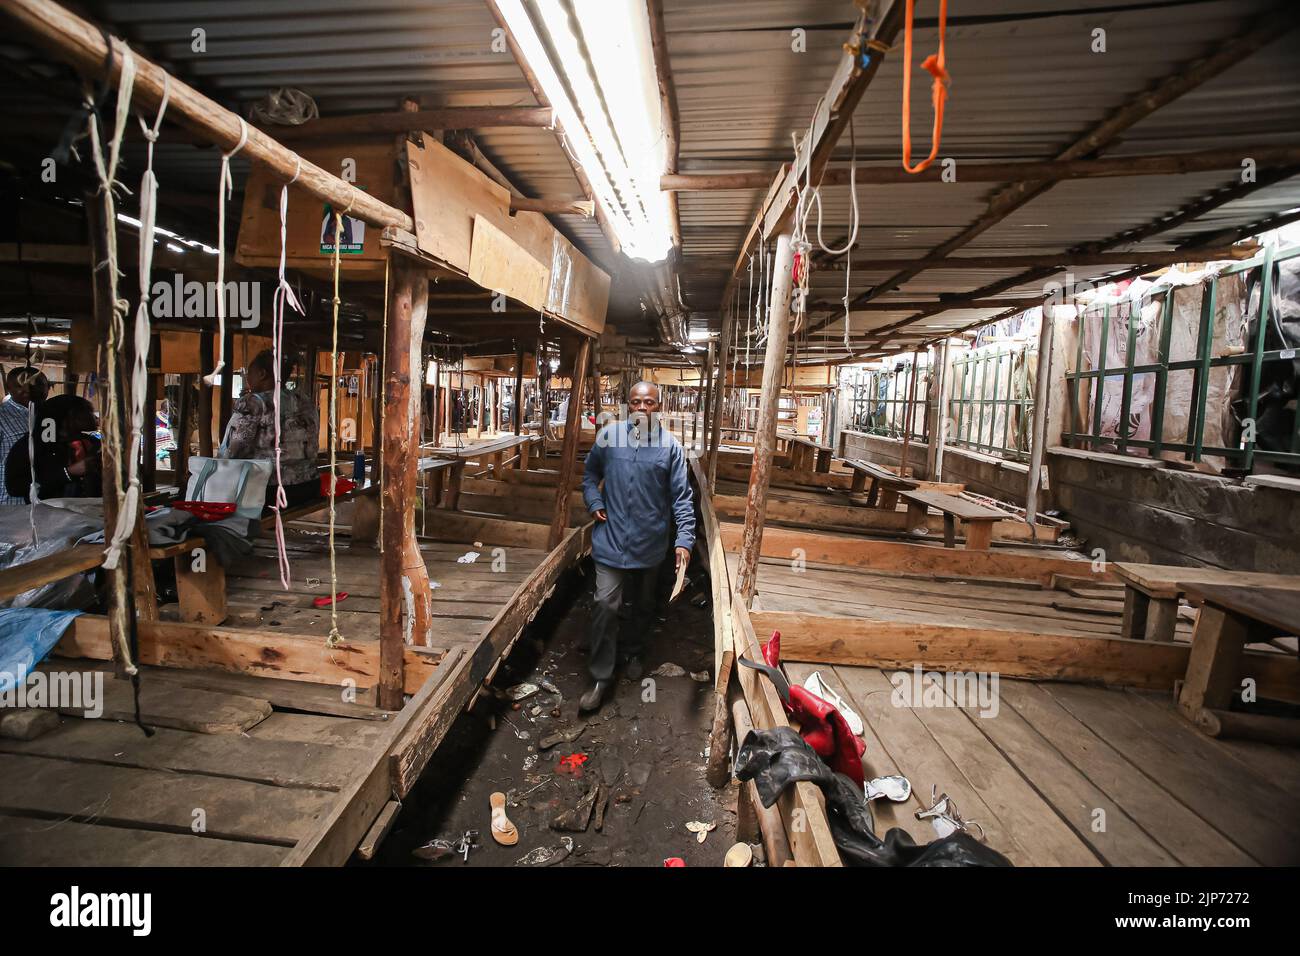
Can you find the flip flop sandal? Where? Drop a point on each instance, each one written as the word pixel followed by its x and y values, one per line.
pixel 742 854
pixel 503 831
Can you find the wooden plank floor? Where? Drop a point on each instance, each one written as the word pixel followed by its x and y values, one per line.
pixel 1057 774
pixel 839 591
pixel 1064 774
pixel 240 768
pixel 102 793
pixel 467 597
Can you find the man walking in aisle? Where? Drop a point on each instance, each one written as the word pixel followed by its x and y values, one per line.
pixel 635 486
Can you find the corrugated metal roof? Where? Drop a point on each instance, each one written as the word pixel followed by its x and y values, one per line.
pixel 1025 85
pixel 1022 89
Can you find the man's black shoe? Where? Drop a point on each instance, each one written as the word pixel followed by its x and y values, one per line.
pixel 634 668
pixel 594 696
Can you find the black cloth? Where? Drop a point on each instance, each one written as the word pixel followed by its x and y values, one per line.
pixel 52 479
pixel 295 495
pixel 774 759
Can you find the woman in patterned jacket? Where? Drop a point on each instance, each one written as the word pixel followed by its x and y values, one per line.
pixel 251 432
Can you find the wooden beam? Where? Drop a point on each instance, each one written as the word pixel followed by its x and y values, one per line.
pixel 1171 164
pixel 258 653
pixel 586 208
pixel 765 431
pixel 853 552
pixel 405 614
pixel 1149 665
pixel 402 121
pixel 569 453
pixel 80 43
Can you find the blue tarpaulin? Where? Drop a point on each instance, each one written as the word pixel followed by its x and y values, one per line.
pixel 27 635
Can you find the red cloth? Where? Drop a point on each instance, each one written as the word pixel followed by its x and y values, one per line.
pixel 820 724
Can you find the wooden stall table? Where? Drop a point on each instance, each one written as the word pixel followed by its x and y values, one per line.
pixel 1151 593
pixel 977 520
pixel 807 455
pixel 885 485
pixel 1230 618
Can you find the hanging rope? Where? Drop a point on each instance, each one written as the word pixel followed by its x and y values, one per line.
pixel 225 188
pixel 334 637
pixel 283 295
pixel 934 64
pixel 138 379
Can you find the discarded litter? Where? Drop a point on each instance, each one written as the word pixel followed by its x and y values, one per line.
pixel 546 855
pixel 434 585
pixel 469 557
pixel 561 737
pixel 521 691
pixel 434 851
pixel 571 764
pixel 701 830
pixel 700 676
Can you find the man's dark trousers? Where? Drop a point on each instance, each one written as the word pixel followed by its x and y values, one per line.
pixel 612 586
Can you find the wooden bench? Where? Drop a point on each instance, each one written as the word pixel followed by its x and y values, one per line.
pixel 1151 593
pixel 1230 618
pixel 885 485
pixel 977 520
pixel 807 455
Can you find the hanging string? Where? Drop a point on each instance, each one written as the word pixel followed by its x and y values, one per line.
pixel 334 637
pixel 283 296
pixel 106 171
pixel 225 188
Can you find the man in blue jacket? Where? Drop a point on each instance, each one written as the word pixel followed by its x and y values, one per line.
pixel 635 486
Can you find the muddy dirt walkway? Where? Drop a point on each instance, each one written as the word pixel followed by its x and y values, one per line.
pixel 613 788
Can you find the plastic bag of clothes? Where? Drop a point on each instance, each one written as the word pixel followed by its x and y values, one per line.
pixel 775 759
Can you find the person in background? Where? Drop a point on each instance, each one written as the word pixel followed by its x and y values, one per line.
pixel 23 385
pixel 251 432
pixel 635 485
pixel 67 449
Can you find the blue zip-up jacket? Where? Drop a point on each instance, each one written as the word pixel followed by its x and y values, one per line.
pixel 645 492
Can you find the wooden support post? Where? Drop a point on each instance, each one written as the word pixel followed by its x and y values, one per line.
pixel 719 403
pixel 1212 665
pixel 1162 619
pixel 569 453
pixel 909 413
pixel 207 356
pixel 765 434
pixel 181 432
pixel 227 379
pixel 1136 606
pixel 517 405
pixel 1038 430
pixel 148 450
pixel 708 393
pixel 365 521
pixel 405 612
pixel 201 591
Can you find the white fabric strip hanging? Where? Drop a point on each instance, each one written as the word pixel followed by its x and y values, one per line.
pixel 225 187
pixel 137 383
pixel 283 295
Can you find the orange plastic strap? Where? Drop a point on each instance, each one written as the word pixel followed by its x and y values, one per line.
pixel 934 64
